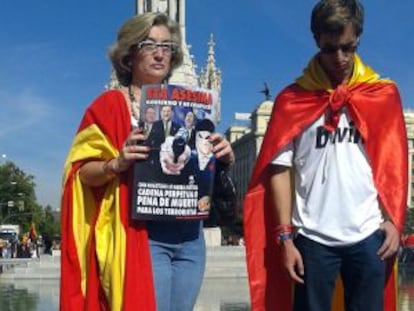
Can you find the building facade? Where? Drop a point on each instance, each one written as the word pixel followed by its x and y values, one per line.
pixel 409 122
pixel 246 141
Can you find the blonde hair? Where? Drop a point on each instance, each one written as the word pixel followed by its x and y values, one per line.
pixel 135 30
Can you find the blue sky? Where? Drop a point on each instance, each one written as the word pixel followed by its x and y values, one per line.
pixel 53 63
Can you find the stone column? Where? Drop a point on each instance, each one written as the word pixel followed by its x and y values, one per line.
pixel 212 236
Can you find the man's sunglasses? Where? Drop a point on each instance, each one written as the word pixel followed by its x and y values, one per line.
pixel 345 48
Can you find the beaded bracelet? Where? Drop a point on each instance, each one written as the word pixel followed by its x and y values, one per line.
pixel 283 232
pixel 282 237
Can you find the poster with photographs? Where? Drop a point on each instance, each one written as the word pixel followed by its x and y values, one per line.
pixel 175 182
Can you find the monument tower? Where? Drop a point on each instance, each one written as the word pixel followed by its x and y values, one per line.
pixel 175 9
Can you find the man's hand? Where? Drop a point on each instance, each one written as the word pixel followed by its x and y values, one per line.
pixel 292 261
pixel 392 240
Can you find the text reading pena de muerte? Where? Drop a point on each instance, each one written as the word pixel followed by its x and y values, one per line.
pixel 166 199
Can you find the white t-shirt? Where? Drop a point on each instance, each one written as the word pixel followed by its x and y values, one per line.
pixel 336 202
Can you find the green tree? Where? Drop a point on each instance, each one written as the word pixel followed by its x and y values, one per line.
pixel 18 201
pixel 49 225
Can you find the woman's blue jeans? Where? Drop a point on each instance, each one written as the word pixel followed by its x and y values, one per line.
pixel 361 269
pixel 178 257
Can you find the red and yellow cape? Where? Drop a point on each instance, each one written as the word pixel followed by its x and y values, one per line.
pixel 105 259
pixel 375 107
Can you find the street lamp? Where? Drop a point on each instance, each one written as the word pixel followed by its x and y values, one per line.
pixel 20 202
pixel 12 197
pixel 10 203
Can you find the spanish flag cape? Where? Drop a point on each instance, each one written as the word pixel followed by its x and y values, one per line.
pixel 105 259
pixel 374 105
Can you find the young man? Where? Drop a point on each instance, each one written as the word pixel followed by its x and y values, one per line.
pixel 331 180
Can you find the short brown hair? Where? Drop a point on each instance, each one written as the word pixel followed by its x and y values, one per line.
pixel 135 30
pixel 331 16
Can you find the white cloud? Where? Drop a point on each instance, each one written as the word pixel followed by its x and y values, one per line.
pixel 22 111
